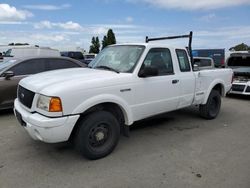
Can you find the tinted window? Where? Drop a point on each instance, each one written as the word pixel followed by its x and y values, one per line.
pixel 240 61
pixel 159 58
pixel 78 55
pixel 61 64
pixel 29 67
pixel 183 60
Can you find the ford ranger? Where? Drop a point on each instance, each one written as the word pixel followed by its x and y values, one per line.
pixel 123 84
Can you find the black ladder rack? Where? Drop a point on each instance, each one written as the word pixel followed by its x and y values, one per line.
pixel 190 36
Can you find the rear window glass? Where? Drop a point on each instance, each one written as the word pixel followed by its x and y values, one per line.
pixel 203 62
pixel 61 64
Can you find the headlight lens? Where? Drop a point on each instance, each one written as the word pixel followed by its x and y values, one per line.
pixel 49 104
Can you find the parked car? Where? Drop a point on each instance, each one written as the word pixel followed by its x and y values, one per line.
pixel 74 55
pixel 89 58
pixel 240 63
pixel 123 84
pixel 28 51
pixel 204 63
pixel 12 71
pixel 218 55
pixel 1 57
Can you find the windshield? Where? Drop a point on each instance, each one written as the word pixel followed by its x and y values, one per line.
pixel 6 64
pixel 240 61
pixel 8 53
pixel 120 58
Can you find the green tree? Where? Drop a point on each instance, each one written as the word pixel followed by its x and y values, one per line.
pixel 104 42
pixel 111 37
pixel 240 47
pixel 108 39
pixel 95 45
pixel 17 44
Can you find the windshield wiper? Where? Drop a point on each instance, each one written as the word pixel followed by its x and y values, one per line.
pixel 107 68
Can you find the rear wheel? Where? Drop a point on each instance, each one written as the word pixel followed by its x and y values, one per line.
pixel 98 135
pixel 211 109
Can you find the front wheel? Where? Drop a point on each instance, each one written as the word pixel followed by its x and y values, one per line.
pixel 98 135
pixel 211 109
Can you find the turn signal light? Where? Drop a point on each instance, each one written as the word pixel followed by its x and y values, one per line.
pixel 55 105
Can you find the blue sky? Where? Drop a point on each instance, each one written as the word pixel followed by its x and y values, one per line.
pixel 70 24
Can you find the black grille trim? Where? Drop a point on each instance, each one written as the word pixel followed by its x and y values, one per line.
pixel 248 89
pixel 25 96
pixel 239 88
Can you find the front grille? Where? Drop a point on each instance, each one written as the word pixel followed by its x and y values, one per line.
pixel 248 89
pixel 239 88
pixel 25 96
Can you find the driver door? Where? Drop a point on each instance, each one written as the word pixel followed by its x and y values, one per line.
pixel 160 93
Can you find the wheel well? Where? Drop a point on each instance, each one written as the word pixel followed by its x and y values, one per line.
pixel 219 88
pixel 113 108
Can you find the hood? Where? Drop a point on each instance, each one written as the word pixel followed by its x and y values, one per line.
pixel 83 78
pixel 241 69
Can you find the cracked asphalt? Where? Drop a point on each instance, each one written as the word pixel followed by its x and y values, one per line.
pixel 177 149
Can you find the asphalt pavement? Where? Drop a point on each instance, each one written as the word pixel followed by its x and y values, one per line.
pixel 177 149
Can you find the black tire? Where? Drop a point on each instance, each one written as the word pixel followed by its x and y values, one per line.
pixel 211 109
pixel 97 135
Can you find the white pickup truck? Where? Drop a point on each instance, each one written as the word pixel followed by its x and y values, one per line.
pixel 125 83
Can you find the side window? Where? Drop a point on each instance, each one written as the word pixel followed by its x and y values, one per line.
pixel 32 66
pixel 61 64
pixel 183 60
pixel 161 59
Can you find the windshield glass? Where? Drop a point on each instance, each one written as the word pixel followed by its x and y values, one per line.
pixel 120 58
pixel 6 64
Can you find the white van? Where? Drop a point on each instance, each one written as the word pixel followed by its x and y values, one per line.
pixel 26 51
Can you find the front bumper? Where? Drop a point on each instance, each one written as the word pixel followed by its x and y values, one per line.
pixel 46 129
pixel 242 88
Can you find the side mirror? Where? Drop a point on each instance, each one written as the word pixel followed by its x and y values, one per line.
pixel 147 72
pixel 8 74
pixel 196 67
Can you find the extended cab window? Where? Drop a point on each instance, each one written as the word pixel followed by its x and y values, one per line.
pixel 159 58
pixel 32 66
pixel 183 60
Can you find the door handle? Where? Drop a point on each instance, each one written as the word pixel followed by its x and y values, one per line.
pixel 175 81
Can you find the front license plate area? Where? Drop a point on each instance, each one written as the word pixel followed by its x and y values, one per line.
pixel 20 119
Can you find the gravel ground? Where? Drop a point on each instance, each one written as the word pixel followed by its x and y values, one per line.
pixel 177 149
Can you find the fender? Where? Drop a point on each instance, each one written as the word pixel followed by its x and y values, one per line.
pixel 104 98
pixel 214 83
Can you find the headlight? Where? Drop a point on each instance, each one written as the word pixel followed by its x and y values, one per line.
pixel 49 104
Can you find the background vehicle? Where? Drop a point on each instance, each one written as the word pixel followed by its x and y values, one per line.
pixel 240 63
pixel 12 71
pixel 123 84
pixel 89 58
pixel 1 57
pixel 218 55
pixel 204 63
pixel 28 51
pixel 74 55
pixel 4 48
